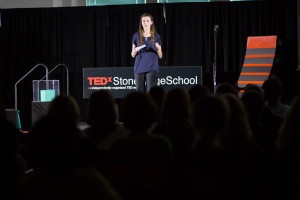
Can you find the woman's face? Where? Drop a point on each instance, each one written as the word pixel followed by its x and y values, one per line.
pixel 146 23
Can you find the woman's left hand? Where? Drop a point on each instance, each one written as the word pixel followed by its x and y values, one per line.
pixel 158 47
pixel 159 52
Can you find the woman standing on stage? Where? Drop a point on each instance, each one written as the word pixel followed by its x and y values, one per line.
pixel 146 49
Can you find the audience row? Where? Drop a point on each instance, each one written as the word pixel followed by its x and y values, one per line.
pixel 187 144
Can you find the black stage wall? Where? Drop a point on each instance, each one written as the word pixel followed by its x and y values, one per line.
pixel 101 37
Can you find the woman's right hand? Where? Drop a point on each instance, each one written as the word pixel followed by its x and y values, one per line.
pixel 133 51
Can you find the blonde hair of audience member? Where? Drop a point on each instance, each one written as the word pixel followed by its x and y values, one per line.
pixel 175 121
pixel 210 117
pixel 240 134
pixel 64 107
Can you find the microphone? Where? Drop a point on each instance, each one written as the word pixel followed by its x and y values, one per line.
pixel 216 27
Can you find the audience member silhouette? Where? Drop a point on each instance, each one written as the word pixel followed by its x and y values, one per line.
pixel 175 121
pixel 66 108
pixel 210 118
pixel 101 116
pixel 56 149
pixel 242 163
pixel 254 88
pixel 139 160
pixel 140 145
pixel 285 182
pixel 225 88
pixel 198 91
pixel 275 110
pixel 253 100
pixel 273 91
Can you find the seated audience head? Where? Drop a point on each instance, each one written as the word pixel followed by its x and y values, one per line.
pixel 198 91
pixel 254 103
pixel 273 90
pixel 239 127
pixel 176 105
pixel 225 88
pixel 254 88
pixel 210 116
pixel 139 112
pixel 101 109
pixel 64 107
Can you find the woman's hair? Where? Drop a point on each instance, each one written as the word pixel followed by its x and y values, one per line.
pixel 152 28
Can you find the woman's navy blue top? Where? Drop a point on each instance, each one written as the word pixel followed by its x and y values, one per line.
pixel 146 59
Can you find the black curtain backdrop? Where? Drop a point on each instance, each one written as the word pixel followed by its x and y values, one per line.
pixel 101 36
pixel 190 39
